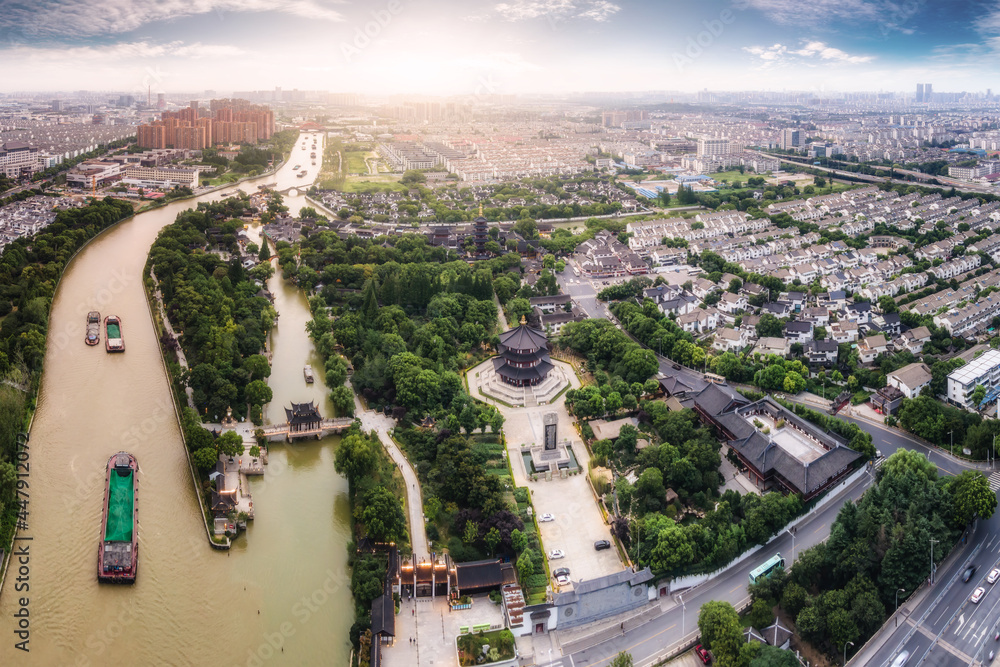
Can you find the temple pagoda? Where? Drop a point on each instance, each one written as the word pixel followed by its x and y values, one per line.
pixel 524 356
pixel 303 417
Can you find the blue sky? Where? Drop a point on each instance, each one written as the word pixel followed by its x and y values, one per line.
pixel 490 46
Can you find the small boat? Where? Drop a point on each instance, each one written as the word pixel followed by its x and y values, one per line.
pixel 118 553
pixel 297 167
pixel 93 328
pixel 308 372
pixel 113 341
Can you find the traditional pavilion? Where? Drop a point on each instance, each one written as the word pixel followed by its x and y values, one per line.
pixel 303 417
pixel 524 356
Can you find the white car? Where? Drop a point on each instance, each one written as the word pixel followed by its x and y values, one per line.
pixel 977 595
pixel 993 576
pixel 556 554
pixel 562 575
pixel 546 517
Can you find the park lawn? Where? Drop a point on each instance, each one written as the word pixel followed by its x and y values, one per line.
pixel 734 175
pixel 381 182
pixel 356 161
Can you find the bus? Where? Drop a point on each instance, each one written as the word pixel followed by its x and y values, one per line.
pixel 715 379
pixel 767 568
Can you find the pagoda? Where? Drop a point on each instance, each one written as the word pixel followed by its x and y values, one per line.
pixel 303 417
pixel 524 357
pixel 480 233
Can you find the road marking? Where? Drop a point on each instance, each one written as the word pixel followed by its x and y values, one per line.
pixel 994 480
pixel 819 529
pixel 736 588
pixel 961 622
pixel 972 626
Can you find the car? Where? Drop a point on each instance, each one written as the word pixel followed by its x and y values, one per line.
pixel 676 367
pixel 601 545
pixel 561 575
pixel 546 517
pixel 993 575
pixel 977 595
pixel 556 554
pixel 969 571
pixel 703 654
pixel 901 659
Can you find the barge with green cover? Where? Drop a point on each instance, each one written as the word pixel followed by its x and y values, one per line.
pixel 118 553
pixel 113 340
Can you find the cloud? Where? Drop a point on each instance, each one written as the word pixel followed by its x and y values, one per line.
pixel 84 18
pixel 591 10
pixel 988 25
pixel 125 52
pixel 810 54
pixel 886 15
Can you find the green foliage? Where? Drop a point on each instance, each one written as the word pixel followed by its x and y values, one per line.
pixel 721 631
pixel 971 496
pixel 611 349
pixel 215 303
pixel 623 659
pixel 876 546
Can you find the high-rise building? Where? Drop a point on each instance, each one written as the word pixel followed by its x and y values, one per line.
pixel 57 105
pixel 192 138
pixel 161 102
pixel 790 138
pixel 152 136
pixel 920 93
pixel 707 146
pixel 928 92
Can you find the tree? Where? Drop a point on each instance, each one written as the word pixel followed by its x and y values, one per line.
pixel 623 659
pixel 978 394
pixel 518 540
pixel 258 393
pixel 526 565
pixel 772 656
pixel 721 630
pixel 343 401
pixel 205 458
pixel 471 533
pixel 972 497
pixel 265 251
pixel 382 515
pixel 492 539
pixel 769 326
pixel 761 614
pixel 230 443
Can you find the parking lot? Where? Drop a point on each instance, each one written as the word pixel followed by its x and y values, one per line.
pixel 578 524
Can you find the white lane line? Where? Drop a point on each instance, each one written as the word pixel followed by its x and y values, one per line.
pixel 961 621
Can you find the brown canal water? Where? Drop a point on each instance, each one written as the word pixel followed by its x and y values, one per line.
pixel 284 585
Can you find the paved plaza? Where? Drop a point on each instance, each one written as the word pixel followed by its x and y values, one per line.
pixel 578 520
pixel 434 628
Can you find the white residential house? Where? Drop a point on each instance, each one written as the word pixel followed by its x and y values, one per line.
pixel 870 348
pixel 733 303
pixel 729 340
pixel 910 379
pixel 914 339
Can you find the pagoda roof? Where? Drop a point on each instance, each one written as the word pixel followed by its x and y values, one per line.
pixel 302 412
pixel 536 372
pixel 523 338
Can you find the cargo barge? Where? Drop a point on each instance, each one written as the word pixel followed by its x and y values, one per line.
pixel 118 553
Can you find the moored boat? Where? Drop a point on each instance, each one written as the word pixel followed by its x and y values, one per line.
pixel 93 328
pixel 113 340
pixel 118 553
pixel 308 372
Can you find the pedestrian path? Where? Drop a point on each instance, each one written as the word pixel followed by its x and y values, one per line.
pixel 994 480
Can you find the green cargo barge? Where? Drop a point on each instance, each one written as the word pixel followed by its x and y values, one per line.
pixel 118 554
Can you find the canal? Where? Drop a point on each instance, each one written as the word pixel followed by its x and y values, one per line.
pixel 280 596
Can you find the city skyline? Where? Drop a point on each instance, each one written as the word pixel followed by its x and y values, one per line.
pixel 517 46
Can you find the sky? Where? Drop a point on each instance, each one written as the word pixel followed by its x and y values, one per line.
pixel 477 47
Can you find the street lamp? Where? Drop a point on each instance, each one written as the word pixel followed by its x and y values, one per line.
pixel 845 651
pixel 932 561
pixel 789 531
pixel 898 591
